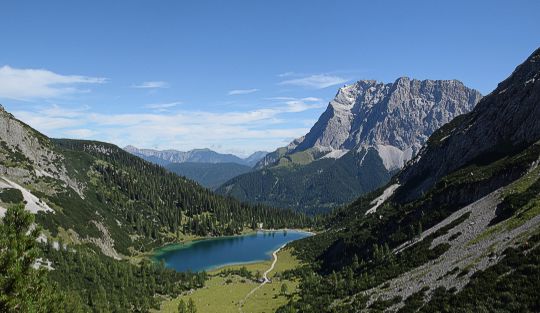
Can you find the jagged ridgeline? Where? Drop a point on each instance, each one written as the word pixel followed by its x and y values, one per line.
pixel 88 191
pixel 367 133
pixel 457 230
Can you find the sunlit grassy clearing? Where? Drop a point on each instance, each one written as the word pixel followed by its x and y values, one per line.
pixel 218 296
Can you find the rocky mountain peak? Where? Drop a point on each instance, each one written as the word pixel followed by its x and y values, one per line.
pixel 397 117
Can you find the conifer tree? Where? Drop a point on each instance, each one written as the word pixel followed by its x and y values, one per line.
pixel 191 306
pixel 22 287
pixel 182 307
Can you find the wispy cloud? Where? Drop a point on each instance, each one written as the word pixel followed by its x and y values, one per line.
pixel 160 107
pixel 241 91
pixel 286 74
pixel 29 84
pixel 304 104
pixel 249 131
pixel 318 81
pixel 83 133
pixel 279 98
pixel 151 85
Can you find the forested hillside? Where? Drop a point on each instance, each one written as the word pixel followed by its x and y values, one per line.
pixel 306 188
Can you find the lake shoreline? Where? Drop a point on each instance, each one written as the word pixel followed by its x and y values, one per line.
pixel 156 252
pixel 162 253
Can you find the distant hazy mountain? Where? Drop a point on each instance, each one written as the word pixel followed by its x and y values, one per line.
pixel 209 168
pixel 164 157
pixel 255 157
pixel 367 133
pixel 210 175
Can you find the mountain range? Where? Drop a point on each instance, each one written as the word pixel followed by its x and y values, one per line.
pixel 164 157
pixel 457 230
pixel 367 133
pixel 208 168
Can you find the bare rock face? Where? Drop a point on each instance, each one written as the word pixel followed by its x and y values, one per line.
pixel 26 154
pixel 21 145
pixel 18 138
pixel 506 120
pixel 396 119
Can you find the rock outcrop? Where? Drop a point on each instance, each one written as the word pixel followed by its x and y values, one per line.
pixel 395 119
pixel 504 121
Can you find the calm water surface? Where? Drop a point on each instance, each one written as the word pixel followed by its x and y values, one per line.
pixel 208 254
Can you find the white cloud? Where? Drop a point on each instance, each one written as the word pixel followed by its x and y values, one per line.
pixel 59 111
pixel 151 85
pixel 304 104
pixel 280 98
pixel 28 84
pixel 162 107
pixel 248 131
pixel 295 105
pixel 286 74
pixel 241 91
pixel 312 99
pixel 315 81
pixel 83 133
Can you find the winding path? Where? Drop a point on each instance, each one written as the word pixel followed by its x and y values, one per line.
pixel 265 278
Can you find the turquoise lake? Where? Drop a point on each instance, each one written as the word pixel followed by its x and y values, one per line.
pixel 209 254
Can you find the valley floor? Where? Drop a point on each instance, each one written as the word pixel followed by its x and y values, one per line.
pixel 226 294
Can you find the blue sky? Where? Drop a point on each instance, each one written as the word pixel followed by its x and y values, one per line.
pixel 236 76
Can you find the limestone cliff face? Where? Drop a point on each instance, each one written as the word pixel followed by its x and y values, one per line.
pixel 28 158
pixel 25 153
pixel 396 119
